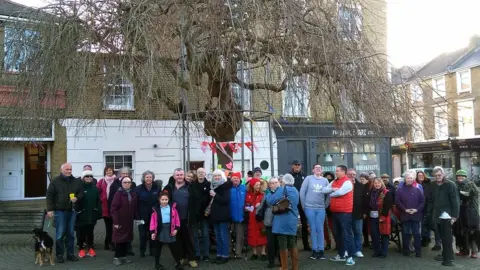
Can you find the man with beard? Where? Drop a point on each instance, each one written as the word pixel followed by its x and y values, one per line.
pixel 299 176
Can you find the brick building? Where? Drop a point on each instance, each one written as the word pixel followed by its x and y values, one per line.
pixel 445 94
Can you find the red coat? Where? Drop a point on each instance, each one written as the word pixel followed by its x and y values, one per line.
pixel 385 225
pixel 255 236
pixel 123 213
pixel 102 189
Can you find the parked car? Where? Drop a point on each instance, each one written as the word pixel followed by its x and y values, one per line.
pixel 426 171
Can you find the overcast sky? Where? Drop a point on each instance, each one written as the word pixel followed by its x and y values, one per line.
pixel 418 30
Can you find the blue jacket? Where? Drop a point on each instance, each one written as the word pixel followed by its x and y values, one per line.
pixel 237 202
pixel 146 200
pixel 285 223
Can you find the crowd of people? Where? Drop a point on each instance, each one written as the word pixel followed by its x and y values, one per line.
pixel 264 215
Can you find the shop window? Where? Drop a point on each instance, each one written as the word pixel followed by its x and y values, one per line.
pixel 470 162
pixel 431 160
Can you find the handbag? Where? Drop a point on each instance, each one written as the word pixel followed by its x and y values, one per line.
pixel 374 214
pixel 209 207
pixel 282 206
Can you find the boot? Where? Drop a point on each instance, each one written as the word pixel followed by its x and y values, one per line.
pixel 294 255
pixel 284 259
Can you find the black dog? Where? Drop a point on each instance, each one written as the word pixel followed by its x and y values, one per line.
pixel 43 247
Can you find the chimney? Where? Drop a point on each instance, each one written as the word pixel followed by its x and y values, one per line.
pixel 474 42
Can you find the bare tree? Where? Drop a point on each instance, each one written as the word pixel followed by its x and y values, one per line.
pixel 196 45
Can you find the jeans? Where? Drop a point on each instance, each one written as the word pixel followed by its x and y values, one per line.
pixel 410 228
pixel 144 237
pixel 357 229
pixel 316 219
pixel 201 240
pixel 272 245
pixel 65 232
pixel 379 241
pixel 342 227
pixel 221 233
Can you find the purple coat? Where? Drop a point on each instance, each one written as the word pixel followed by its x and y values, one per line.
pixel 409 197
pixel 123 214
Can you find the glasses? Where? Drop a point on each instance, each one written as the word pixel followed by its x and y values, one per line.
pixel 89 176
pixel 127 182
pixel 438 175
pixel 317 167
pixel 297 164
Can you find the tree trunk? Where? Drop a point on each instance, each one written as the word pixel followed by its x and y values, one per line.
pixel 223 120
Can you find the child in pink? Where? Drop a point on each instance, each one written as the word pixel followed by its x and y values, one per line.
pixel 164 225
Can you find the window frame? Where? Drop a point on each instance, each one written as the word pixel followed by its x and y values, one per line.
pixel 435 92
pixel 119 153
pixel 459 81
pixel 414 93
pixel 237 88
pixel 357 17
pixel 436 110
pixel 293 111
pixel 419 130
pixel 460 123
pixel 24 52
pixel 125 83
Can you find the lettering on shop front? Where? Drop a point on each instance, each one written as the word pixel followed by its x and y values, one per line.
pixel 374 167
pixel 357 132
pixel 470 146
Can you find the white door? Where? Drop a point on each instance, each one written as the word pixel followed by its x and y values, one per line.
pixel 11 177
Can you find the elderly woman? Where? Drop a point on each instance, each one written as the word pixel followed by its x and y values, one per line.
pixel 410 203
pixel 147 194
pixel 124 212
pixel 103 186
pixel 381 202
pixel 220 214
pixel 272 245
pixel 90 210
pixel 466 229
pixel 285 224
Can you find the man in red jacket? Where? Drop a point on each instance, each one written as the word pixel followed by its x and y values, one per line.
pixel 341 205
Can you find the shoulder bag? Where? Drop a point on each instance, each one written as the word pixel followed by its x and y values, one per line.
pixel 282 206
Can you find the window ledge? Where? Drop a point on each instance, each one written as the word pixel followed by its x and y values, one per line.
pixel 464 91
pixel 119 109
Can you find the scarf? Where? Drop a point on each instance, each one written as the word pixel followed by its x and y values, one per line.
pixel 374 198
pixel 129 195
pixel 472 189
pixel 108 180
pixel 214 184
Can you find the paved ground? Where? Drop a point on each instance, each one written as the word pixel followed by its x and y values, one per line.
pixel 16 252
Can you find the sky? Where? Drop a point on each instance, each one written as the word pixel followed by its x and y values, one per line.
pixel 418 30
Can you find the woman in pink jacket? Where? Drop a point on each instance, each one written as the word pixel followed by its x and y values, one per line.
pixel 164 225
pixel 103 186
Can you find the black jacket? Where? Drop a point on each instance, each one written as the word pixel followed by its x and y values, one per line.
pixel 299 177
pixel 193 205
pixel 59 190
pixel 203 192
pixel 220 210
pixel 361 200
pixel 391 189
pixel 445 198
pixel 146 200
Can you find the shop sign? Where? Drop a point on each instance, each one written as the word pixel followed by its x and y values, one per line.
pixel 355 132
pixel 373 167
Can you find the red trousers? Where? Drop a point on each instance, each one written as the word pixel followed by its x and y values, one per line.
pixel 327 227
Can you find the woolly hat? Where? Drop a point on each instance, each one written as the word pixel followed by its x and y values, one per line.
pixel 253 181
pixel 85 173
pixel 236 174
pixel 461 173
pixel 257 169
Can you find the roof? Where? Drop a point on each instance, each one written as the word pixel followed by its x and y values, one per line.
pixel 401 75
pixel 12 9
pixel 442 63
pixel 447 62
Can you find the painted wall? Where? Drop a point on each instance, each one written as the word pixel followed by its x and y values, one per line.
pixel 88 142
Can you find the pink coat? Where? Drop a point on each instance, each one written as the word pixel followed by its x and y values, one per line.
pixel 174 219
pixel 102 189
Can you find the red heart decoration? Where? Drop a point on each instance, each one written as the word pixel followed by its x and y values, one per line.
pixel 213 147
